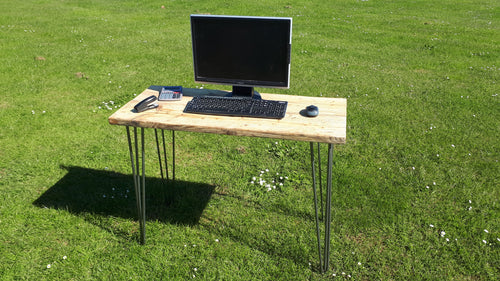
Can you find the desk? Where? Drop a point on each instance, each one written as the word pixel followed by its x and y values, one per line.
pixel 329 127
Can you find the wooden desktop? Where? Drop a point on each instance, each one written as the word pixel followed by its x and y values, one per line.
pixel 328 127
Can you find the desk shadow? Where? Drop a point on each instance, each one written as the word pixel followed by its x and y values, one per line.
pixel 85 191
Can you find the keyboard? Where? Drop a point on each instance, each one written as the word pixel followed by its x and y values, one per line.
pixel 236 106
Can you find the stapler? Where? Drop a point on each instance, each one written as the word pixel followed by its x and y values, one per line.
pixel 146 104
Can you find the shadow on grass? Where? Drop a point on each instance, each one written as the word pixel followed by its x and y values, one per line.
pixel 85 191
pixel 102 196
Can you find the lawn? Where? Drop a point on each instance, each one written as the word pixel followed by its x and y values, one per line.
pixel 416 186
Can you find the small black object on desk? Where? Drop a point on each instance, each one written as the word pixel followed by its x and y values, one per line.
pixel 310 111
pixel 146 104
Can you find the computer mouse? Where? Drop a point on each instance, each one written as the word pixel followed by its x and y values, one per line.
pixel 312 111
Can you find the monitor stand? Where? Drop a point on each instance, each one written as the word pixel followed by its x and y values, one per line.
pixel 245 92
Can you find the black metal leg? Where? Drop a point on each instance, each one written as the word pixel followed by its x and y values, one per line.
pixel 321 210
pixel 134 172
pixel 328 219
pixel 139 185
pixel 164 152
pixel 159 153
pixel 324 259
pixel 313 168
pixel 173 155
pixel 158 149
pixel 143 191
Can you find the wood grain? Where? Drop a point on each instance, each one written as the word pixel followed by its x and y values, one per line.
pixel 328 127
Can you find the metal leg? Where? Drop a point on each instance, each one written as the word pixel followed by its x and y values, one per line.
pixel 321 210
pixel 134 172
pixel 158 149
pixel 139 185
pixel 328 219
pixel 313 168
pixel 164 152
pixel 143 191
pixel 324 259
pixel 159 154
pixel 140 177
pixel 173 155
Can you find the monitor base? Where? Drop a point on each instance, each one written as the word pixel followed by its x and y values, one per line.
pixel 244 92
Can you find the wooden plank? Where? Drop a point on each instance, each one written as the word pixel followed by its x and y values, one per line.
pixel 328 127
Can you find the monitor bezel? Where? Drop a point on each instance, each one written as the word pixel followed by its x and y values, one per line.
pixel 242 82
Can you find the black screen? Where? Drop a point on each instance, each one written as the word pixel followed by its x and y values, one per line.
pixel 249 51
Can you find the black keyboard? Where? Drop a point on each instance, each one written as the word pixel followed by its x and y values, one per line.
pixel 237 106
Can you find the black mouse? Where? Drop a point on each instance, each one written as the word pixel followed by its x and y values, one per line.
pixel 312 111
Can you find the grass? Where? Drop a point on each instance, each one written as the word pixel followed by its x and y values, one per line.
pixel 415 188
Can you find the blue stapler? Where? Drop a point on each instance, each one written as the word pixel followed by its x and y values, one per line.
pixel 146 104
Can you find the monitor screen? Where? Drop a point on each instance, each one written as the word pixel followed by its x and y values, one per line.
pixel 242 51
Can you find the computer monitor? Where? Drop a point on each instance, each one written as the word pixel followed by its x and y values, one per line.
pixel 242 51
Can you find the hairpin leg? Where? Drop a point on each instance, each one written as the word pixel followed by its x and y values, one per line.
pixel 158 150
pixel 324 259
pixel 159 153
pixel 321 207
pixel 313 168
pixel 164 152
pixel 328 219
pixel 173 155
pixel 139 184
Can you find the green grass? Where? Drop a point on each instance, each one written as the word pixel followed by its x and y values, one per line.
pixel 416 186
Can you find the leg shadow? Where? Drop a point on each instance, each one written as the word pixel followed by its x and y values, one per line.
pixel 84 191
